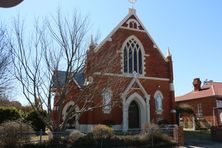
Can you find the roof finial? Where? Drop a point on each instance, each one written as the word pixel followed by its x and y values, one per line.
pixel 91 39
pixel 168 52
pixel 132 2
pixel 92 44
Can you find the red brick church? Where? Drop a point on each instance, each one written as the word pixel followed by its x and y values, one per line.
pixel 130 77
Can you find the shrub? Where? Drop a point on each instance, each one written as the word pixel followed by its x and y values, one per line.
pixel 45 144
pixel 85 141
pixel 35 121
pixel 74 136
pixel 160 137
pixel 14 132
pixel 9 113
pixel 102 132
pixel 163 122
pixel 145 140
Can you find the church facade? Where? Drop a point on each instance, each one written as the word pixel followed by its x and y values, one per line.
pixel 131 79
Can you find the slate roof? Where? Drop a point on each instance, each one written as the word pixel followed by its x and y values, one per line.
pixel 209 89
pixel 79 78
pixel 59 79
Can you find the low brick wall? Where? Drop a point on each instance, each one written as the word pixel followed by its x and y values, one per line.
pixel 180 136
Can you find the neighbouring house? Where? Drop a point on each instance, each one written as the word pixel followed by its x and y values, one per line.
pixel 130 77
pixel 206 103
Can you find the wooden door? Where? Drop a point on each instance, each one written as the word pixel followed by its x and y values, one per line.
pixel 133 116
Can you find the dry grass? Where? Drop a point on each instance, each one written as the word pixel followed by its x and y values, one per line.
pixel 37 138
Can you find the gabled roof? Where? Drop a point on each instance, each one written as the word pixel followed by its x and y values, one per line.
pixel 59 79
pixel 209 89
pixel 131 14
pixel 134 81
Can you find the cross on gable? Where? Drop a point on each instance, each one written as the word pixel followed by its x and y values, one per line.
pixel 132 2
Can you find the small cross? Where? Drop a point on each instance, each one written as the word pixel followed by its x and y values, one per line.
pixel 132 2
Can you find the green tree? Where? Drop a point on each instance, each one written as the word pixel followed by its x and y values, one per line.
pixel 35 121
pixel 8 114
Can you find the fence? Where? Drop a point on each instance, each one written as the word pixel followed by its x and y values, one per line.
pixel 172 132
pixel 27 137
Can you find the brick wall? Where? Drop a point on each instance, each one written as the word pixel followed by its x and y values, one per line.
pixel 108 60
pixel 207 109
pixel 180 136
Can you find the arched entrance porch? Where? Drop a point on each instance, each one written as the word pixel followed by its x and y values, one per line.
pixel 135 112
pixel 72 123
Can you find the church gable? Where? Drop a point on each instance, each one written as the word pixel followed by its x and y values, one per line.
pixel 132 23
pixel 129 48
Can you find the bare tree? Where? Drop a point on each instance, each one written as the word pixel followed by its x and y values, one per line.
pixel 5 60
pixel 59 44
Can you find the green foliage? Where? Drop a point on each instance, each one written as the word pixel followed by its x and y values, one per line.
pixel 35 121
pixel 201 134
pixel 15 104
pixel 9 113
pixel 85 141
pixel 14 133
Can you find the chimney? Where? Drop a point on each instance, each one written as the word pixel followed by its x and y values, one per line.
pixel 197 84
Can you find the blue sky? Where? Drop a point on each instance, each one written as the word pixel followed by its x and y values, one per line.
pixel 192 29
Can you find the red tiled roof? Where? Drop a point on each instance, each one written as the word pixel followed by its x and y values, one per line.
pixel 207 90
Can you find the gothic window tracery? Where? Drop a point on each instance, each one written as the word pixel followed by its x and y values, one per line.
pixel 133 58
pixel 133 24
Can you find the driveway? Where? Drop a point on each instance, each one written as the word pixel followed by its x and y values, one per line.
pixel 199 139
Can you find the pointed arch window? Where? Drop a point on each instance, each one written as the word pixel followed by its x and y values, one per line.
pixel 125 59
pixel 133 57
pixel 140 61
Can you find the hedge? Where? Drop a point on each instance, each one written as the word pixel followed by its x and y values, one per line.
pixel 35 121
pixel 8 114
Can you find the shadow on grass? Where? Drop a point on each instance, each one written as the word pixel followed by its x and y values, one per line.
pixel 197 134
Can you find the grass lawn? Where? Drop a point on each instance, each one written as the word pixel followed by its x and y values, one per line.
pixel 200 134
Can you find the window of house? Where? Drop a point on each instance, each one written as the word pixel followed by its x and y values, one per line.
pixel 107 96
pixel 199 110
pixel 133 58
pixel 158 102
